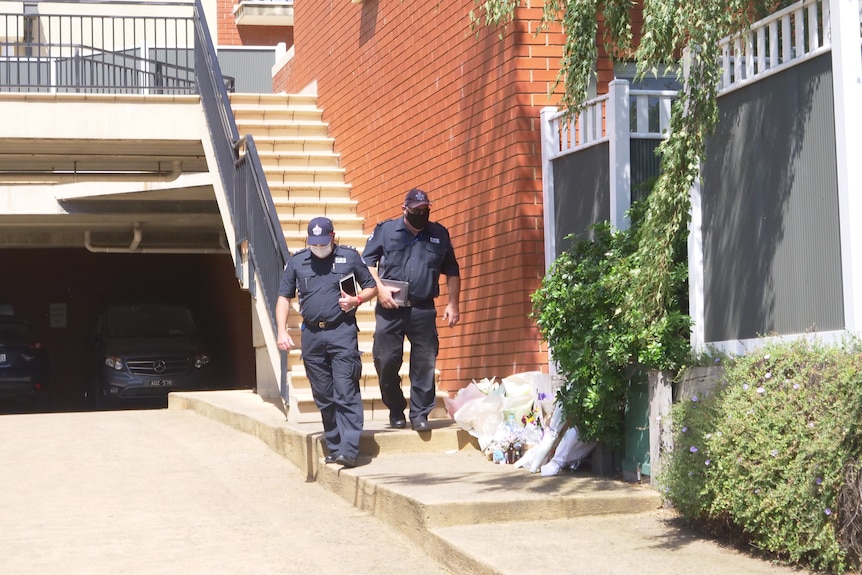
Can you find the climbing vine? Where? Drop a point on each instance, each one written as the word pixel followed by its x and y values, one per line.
pixel 680 35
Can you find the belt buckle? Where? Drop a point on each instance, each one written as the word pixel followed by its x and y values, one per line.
pixel 408 303
pixel 321 324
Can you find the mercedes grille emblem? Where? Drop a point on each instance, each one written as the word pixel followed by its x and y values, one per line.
pixel 159 366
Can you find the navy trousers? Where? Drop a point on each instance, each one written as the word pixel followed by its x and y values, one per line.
pixel 419 325
pixel 332 362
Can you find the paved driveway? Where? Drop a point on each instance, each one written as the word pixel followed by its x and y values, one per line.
pixel 169 491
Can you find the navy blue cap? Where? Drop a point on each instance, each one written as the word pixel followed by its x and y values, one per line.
pixel 320 231
pixel 416 198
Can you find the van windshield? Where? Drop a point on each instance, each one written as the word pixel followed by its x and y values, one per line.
pixel 149 321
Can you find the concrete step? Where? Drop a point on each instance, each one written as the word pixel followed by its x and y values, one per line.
pixel 249 113
pixel 437 485
pixel 284 159
pixel 266 100
pixel 308 208
pixel 373 408
pixel 303 174
pixel 284 128
pixel 321 190
pixel 302 143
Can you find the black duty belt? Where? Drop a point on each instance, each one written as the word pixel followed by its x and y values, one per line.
pixel 319 325
pixel 422 303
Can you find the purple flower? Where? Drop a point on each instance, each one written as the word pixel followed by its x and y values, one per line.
pixel 718 360
pixel 761 390
pixel 745 386
pixel 795 386
pixel 693 449
pixel 707 462
pixel 684 429
pixel 774 453
pixel 827 511
pixel 818 481
pixel 694 398
pixel 768 374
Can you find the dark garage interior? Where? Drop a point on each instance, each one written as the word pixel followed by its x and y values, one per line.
pixel 61 290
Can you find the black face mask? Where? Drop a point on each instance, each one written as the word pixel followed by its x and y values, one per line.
pixel 418 219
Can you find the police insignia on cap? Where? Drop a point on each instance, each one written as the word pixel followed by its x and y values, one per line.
pixel 317 230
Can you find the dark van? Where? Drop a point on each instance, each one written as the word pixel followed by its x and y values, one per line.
pixel 148 350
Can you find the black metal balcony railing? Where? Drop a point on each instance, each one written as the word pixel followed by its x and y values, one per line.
pixel 45 51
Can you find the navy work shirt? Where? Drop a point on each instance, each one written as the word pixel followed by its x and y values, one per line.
pixel 418 260
pixel 317 279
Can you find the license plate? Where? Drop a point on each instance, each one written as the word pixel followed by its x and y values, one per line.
pixel 2 358
pixel 161 383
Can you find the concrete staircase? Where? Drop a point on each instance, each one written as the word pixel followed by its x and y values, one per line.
pixel 306 180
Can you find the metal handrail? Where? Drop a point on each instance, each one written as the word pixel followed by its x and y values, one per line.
pixel 252 209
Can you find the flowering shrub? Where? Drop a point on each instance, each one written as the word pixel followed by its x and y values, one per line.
pixel 772 453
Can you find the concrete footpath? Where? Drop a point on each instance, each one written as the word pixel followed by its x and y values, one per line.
pixel 219 483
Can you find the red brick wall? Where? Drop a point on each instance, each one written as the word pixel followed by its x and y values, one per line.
pixel 413 98
pixel 227 33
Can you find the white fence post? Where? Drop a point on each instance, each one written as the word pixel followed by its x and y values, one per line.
pixel 695 269
pixel 847 87
pixel 550 148
pixel 618 122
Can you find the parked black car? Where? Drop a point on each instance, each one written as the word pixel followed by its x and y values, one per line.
pixel 23 361
pixel 148 350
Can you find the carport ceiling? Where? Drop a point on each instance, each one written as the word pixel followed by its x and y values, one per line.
pixel 20 156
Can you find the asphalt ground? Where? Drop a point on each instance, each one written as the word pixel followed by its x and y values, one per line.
pixel 170 491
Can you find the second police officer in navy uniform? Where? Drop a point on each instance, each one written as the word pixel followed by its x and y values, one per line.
pixel 330 349
pixel 413 250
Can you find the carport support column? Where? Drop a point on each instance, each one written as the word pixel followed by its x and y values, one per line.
pixel 847 87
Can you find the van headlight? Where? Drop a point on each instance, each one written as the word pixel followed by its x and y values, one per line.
pixel 114 362
pixel 202 360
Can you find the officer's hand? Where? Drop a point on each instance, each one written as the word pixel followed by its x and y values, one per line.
pixel 285 342
pixel 451 315
pixel 384 296
pixel 345 303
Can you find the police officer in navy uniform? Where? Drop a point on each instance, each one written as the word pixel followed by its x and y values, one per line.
pixel 415 250
pixel 330 349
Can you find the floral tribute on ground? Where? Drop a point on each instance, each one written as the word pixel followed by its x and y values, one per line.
pixel 518 421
